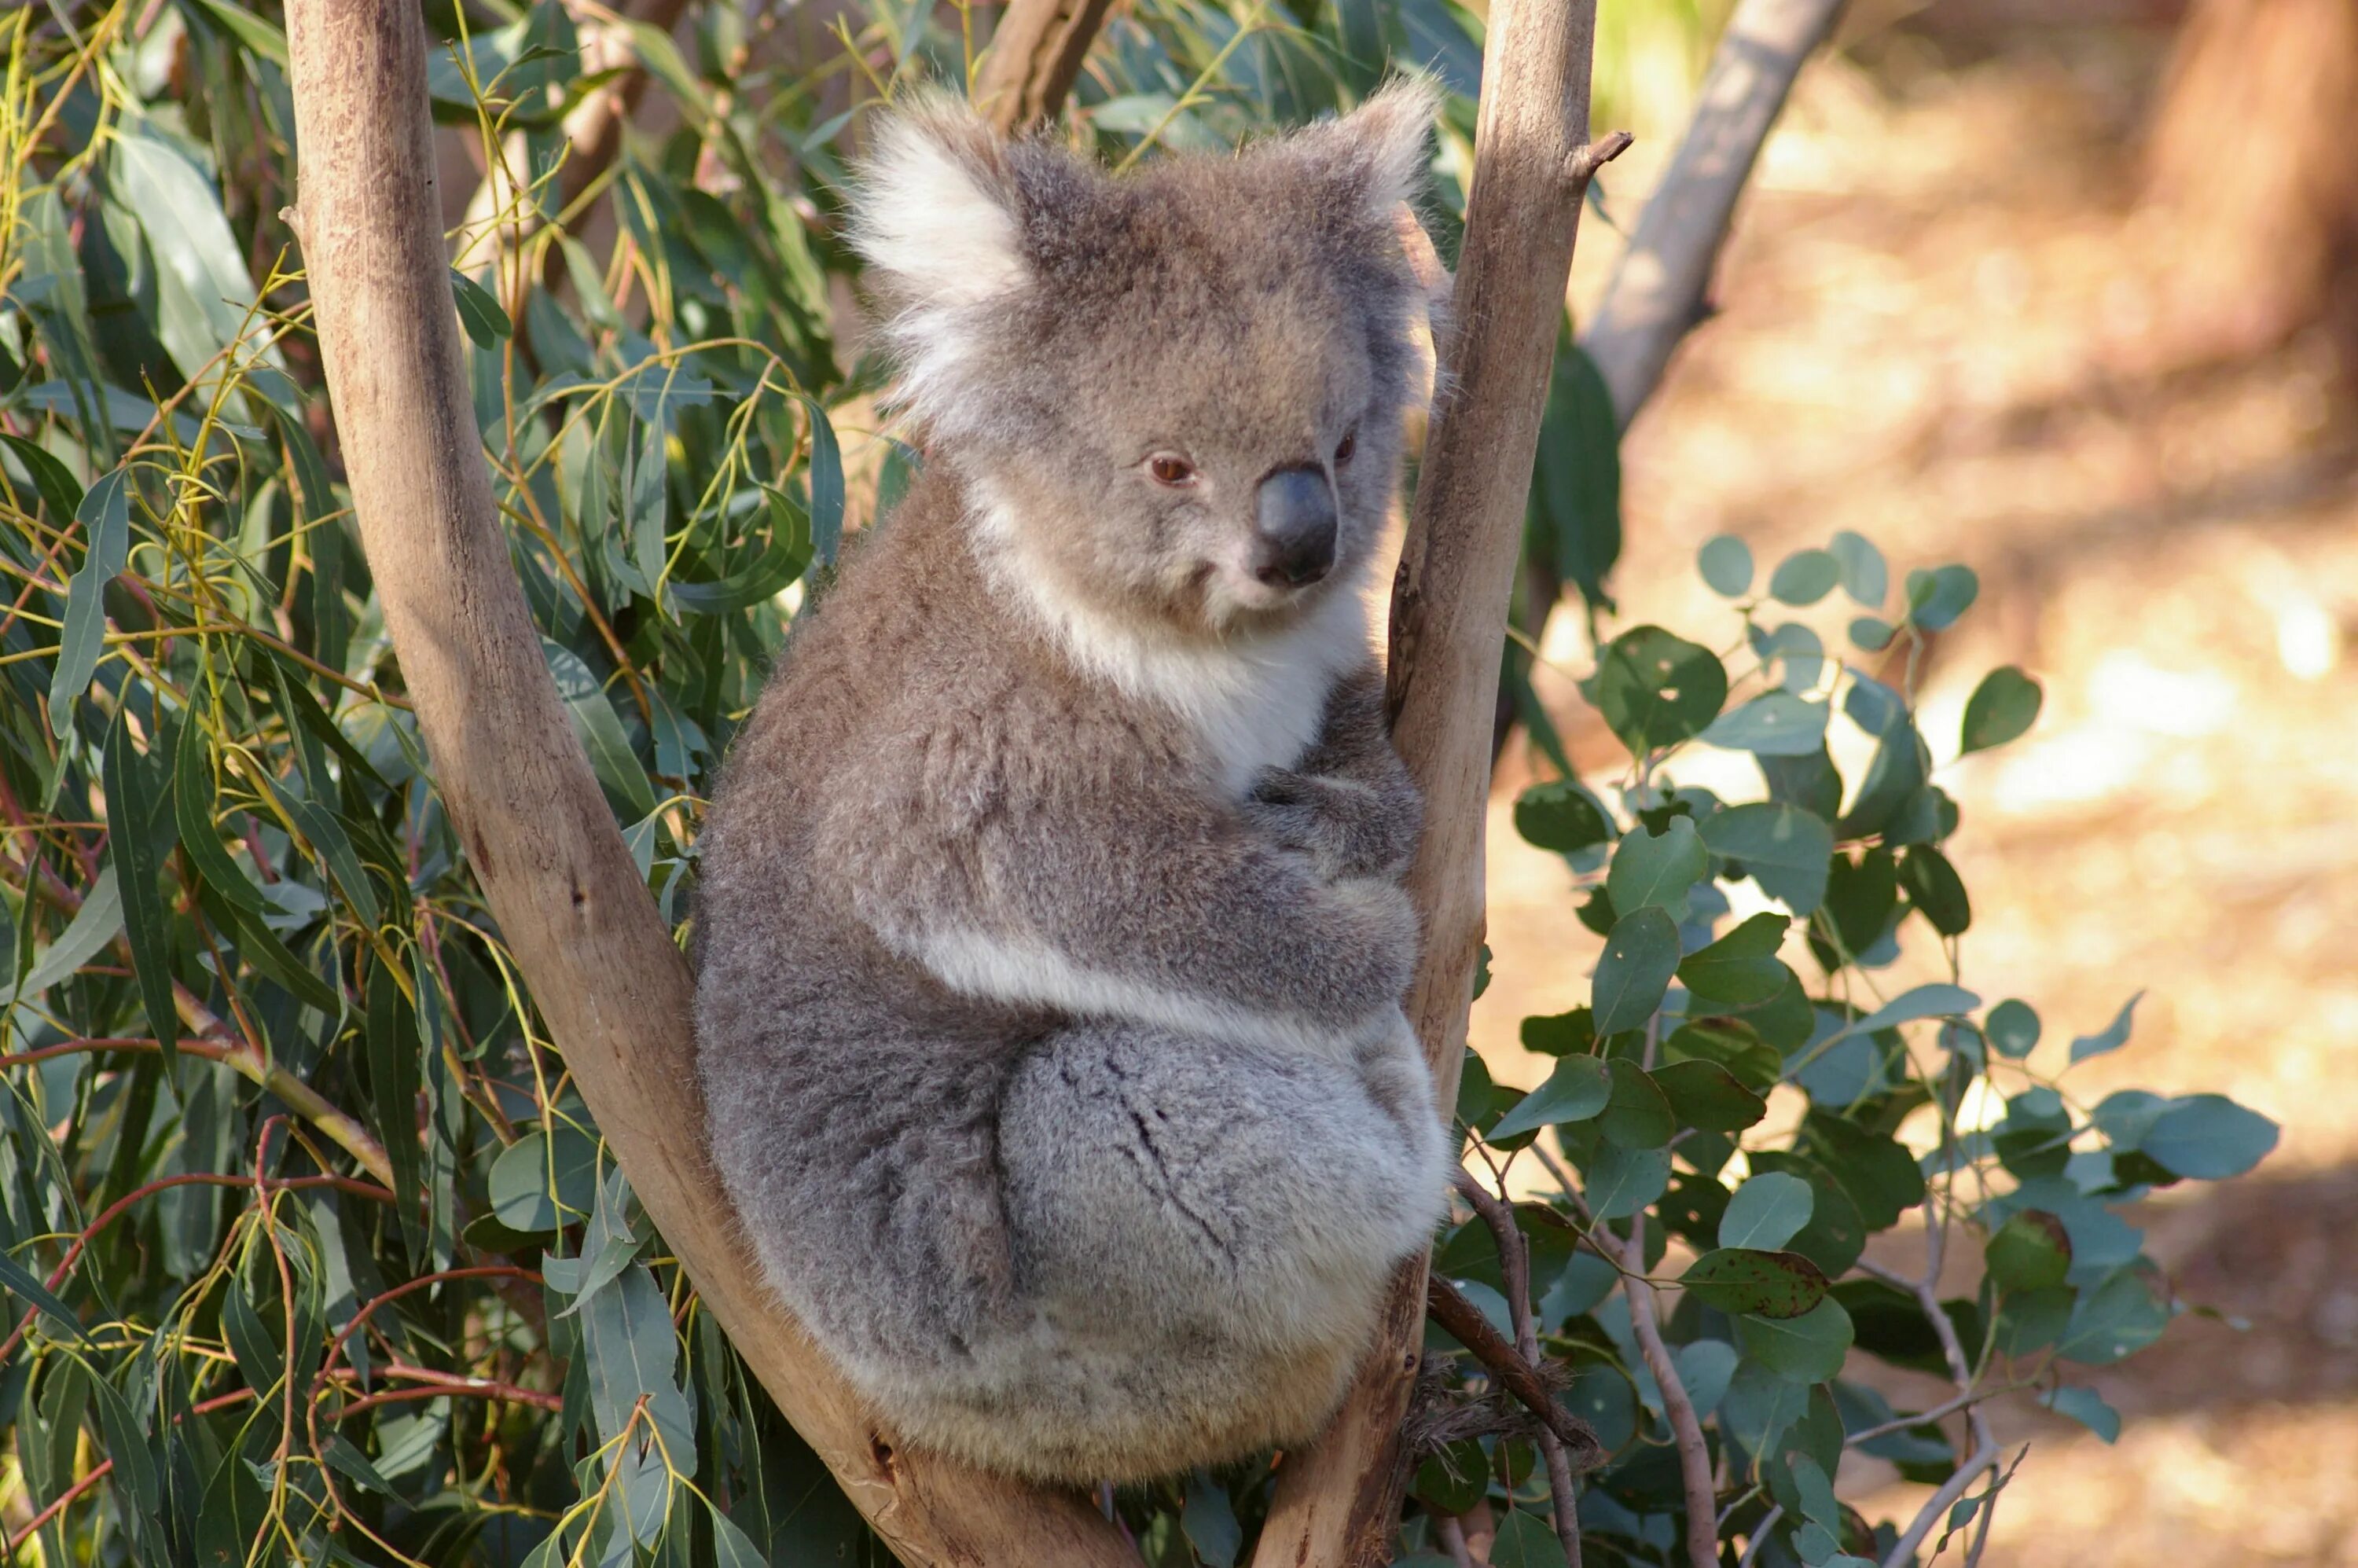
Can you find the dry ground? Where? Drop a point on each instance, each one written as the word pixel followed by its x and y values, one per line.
pixel 1939 322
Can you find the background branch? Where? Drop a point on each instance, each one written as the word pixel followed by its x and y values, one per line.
pixel 1035 56
pixel 1656 295
pixel 1338 1502
pixel 585 934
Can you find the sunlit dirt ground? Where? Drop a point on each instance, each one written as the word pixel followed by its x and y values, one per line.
pixel 1940 319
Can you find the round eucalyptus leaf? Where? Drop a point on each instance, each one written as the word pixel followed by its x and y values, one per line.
pixel 1454 1480
pixel 1805 577
pixel 2002 708
pixel 1785 848
pixel 1578 1088
pixel 1633 973
pixel 1936 598
pixel 1765 1212
pixel 2209 1138
pixel 2031 1251
pixel 2013 1028
pixel 1807 1348
pixel 1638 1115
pixel 1742 967
pixel 1656 689
pixel 1704 1095
pixel 1562 817
pixel 1731 1043
pixel 1726 565
pixel 1777 724
pixel 1864 576
pixel 1622 1181
pixel 2119 1318
pixel 1526 1540
pixel 1655 869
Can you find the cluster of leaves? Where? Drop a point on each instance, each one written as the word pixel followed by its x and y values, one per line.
pixel 1717 1123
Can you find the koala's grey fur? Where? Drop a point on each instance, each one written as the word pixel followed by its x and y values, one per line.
pixel 1052 940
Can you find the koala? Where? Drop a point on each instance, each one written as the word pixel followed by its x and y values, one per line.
pixel 1052 940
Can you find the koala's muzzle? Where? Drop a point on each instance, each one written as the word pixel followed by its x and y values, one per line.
pixel 1294 538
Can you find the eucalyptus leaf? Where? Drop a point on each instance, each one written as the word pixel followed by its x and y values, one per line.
pixel 1782 848
pixel 1726 562
pixel 2003 708
pixel 1767 1212
pixel 1778 724
pixel 1635 970
pixel 1578 1088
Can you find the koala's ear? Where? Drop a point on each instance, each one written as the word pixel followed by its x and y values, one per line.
pixel 1375 157
pixel 935 211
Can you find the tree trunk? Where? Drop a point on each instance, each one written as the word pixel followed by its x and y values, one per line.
pixel 596 954
pixel 2255 144
pixel 1338 1502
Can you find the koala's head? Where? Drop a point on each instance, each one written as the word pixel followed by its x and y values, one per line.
pixel 1181 390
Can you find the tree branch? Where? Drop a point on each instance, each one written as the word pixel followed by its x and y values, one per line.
pixel 598 958
pixel 1961 1372
pixel 1035 56
pixel 1338 1502
pixel 1656 295
pixel 1563 1431
pixel 1515 1372
pixel 1694 1455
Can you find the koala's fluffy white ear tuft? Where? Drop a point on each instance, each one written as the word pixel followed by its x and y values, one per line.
pixel 935 211
pixel 1380 150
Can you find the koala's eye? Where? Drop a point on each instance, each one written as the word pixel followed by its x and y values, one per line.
pixel 1171 470
pixel 1349 444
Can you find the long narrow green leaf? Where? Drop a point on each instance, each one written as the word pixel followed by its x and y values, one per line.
pixel 105 517
pixel 394 1085
pixel 130 813
pixel 192 807
pixel 94 924
pixel 59 491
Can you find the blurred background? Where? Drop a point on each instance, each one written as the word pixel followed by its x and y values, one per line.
pixel 2065 291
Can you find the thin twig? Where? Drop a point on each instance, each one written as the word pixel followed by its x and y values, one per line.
pixel 1941 1411
pixel 1563 1430
pixel 1694 1455
pixel 1940 1502
pixel 1453 1540
pixel 1760 1537
pixel 1582 167
pixel 1961 1372
pixel 1455 1312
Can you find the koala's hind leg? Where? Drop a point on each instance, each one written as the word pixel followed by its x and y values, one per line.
pixel 1205 1230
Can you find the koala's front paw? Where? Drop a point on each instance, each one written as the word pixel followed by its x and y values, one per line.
pixel 1387 935
pixel 1345 827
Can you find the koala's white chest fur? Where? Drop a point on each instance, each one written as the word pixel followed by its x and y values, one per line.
pixel 1255 703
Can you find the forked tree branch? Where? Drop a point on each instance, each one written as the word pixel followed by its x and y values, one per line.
pixel 1338 1501
pixel 596 956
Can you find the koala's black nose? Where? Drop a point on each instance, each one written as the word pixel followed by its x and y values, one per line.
pixel 1294 545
